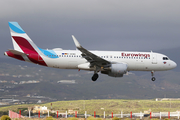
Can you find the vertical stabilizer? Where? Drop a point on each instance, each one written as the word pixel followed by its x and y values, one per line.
pixel 24 47
pixel 20 39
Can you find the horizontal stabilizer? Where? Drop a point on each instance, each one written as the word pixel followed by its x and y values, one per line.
pixel 16 52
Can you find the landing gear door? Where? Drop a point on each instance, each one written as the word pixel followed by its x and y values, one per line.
pixel 154 58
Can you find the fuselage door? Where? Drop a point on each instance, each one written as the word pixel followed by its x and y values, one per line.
pixel 154 58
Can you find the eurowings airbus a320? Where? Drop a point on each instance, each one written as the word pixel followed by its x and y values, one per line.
pixel 111 63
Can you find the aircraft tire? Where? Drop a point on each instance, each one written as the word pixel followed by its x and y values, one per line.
pixel 95 77
pixel 153 78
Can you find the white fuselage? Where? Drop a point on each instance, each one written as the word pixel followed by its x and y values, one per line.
pixel 136 61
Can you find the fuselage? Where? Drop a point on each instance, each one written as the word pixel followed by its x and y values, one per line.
pixel 136 61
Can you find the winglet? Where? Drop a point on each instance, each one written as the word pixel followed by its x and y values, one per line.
pixel 76 42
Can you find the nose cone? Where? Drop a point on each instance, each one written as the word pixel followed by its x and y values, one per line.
pixel 173 65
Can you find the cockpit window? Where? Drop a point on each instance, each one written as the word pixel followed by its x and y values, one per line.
pixel 165 58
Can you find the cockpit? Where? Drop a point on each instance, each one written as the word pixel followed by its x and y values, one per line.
pixel 165 58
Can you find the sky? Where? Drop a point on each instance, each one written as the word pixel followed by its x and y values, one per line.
pixel 132 25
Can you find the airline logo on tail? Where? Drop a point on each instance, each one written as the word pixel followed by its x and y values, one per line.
pixel 24 48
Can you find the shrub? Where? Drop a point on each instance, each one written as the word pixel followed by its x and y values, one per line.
pixel 98 118
pixel 50 118
pixel 72 118
pixel 115 118
pixel 92 118
pixel 5 117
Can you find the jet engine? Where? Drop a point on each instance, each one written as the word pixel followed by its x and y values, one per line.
pixel 116 70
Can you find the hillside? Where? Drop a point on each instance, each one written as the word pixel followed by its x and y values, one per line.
pixel 112 105
pixel 136 85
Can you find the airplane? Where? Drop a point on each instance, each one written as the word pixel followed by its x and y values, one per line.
pixel 111 63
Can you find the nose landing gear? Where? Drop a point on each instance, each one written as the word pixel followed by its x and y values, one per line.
pixel 152 74
pixel 153 78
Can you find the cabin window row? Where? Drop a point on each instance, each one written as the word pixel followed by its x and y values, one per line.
pixel 64 56
pixel 126 57
pixel 100 56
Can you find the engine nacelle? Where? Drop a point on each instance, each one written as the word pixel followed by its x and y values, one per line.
pixel 117 70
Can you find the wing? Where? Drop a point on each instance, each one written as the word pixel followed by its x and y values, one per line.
pixel 91 57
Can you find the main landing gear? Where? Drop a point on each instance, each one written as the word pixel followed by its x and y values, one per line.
pixel 152 74
pixel 95 77
pixel 96 70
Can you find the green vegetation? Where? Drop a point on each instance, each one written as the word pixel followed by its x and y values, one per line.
pixel 3 113
pixel 92 118
pixel 115 118
pixel 115 106
pixel 5 117
pixel 50 118
pixel 72 118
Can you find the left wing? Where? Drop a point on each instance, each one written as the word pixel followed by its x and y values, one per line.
pixel 91 57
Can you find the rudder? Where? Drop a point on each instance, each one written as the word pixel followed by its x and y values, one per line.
pixel 20 39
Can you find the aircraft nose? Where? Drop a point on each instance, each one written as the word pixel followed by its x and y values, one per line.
pixel 174 65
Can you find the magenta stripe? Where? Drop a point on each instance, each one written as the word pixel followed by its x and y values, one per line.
pixel 29 50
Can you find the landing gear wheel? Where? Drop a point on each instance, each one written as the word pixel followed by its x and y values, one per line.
pixel 95 77
pixel 152 74
pixel 153 78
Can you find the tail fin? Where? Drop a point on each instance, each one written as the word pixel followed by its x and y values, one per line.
pixel 24 47
pixel 21 40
